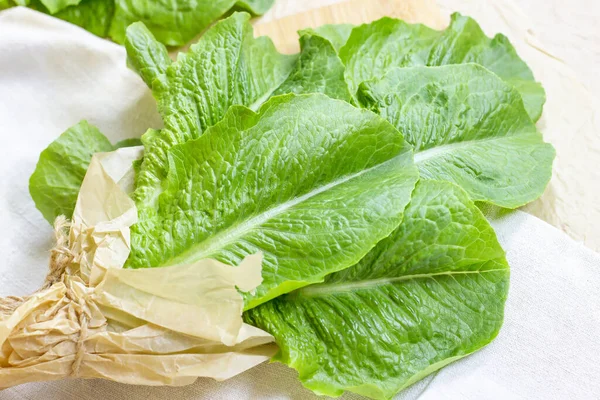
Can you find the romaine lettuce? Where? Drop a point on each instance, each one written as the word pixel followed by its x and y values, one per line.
pixel 467 126
pixel 309 160
pixel 427 295
pixel 227 67
pixel 317 70
pixel 55 183
pixel 373 49
pixel 311 182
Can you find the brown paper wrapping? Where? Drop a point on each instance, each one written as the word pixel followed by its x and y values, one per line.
pixel 94 319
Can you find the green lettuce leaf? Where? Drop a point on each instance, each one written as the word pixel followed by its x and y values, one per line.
pixel 145 55
pixel 54 185
pixel 336 34
pixel 510 171
pixel 373 49
pixel 467 126
pixel 131 142
pixel 176 22
pixel 317 70
pixel 228 66
pixel 94 16
pixel 173 22
pixel 311 182
pixel 429 294
pixel 55 6
pixel 458 117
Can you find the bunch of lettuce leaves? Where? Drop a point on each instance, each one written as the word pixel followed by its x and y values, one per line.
pixel 173 22
pixel 354 167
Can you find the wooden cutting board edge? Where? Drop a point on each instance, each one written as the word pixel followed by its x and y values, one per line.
pixel 283 31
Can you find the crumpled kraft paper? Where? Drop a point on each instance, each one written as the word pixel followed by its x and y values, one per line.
pixel 94 319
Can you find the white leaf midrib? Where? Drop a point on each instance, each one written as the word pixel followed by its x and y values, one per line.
pixel 424 155
pixel 326 289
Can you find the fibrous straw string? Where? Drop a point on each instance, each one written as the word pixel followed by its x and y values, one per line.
pixel 60 258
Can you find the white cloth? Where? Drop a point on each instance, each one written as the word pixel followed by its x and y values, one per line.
pixel 53 74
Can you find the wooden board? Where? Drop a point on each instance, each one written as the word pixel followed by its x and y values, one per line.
pixel 283 31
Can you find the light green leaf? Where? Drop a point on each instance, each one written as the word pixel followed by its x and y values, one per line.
pixel 173 22
pixel 93 15
pixel 132 142
pixel 311 182
pixel 228 66
pixel 429 294
pixel 318 70
pixel 373 49
pixel 467 126
pixel 55 6
pixel 533 95
pixel 256 7
pixel 147 56
pixel 4 4
pixel 336 34
pixel 176 22
pixel 55 183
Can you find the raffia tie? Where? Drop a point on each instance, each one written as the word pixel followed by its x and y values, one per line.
pixel 60 259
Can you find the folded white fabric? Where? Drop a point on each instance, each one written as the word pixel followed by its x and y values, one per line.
pixel 53 74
